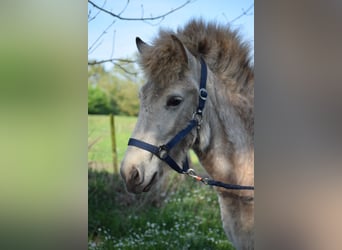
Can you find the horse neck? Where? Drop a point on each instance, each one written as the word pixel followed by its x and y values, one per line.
pixel 224 146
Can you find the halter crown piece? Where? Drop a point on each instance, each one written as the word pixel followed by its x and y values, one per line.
pixel 162 152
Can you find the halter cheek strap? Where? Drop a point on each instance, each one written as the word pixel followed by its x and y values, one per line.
pixel 162 152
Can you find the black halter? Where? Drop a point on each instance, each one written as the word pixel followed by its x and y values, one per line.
pixel 162 152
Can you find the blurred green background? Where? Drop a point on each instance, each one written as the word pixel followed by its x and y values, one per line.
pixel 43 124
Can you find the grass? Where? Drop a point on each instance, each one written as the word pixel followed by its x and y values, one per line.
pixel 184 215
pixel 178 214
pixel 99 132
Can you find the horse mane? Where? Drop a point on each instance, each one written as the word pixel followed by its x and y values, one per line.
pixel 222 49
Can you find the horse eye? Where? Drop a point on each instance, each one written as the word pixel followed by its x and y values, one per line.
pixel 174 101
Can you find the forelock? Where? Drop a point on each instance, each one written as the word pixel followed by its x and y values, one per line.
pixel 162 61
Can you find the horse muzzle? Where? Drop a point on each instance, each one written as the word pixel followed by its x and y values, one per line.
pixel 138 177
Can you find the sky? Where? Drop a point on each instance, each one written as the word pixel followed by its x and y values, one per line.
pixel 119 39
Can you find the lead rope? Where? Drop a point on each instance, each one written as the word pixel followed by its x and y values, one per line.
pixel 211 182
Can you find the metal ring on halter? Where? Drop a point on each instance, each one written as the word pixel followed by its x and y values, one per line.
pixel 203 94
pixel 198 117
pixel 162 153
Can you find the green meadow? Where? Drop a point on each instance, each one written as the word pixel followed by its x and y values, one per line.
pixel 99 137
pixel 179 213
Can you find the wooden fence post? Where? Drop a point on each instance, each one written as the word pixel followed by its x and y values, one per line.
pixel 114 154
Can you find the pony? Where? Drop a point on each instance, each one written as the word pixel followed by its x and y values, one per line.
pixel 224 141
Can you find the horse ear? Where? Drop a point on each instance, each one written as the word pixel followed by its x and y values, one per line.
pixel 182 48
pixel 141 45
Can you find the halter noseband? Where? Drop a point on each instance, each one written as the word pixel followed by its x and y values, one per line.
pixel 162 152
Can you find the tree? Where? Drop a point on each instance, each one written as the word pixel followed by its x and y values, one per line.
pixel 125 88
pixel 127 98
pixel 95 9
pixel 98 102
pixel 113 91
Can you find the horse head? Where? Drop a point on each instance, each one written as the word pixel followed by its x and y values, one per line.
pixel 168 101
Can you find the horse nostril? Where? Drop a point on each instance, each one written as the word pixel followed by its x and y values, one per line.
pixel 135 176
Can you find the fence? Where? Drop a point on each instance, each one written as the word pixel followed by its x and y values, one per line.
pixel 107 140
